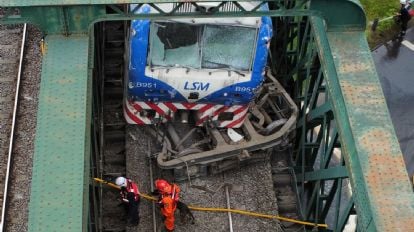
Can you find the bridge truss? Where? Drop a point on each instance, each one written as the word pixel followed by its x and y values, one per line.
pixel 344 135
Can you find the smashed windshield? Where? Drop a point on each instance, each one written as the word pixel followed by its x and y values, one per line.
pixel 228 47
pixel 175 44
pixel 201 46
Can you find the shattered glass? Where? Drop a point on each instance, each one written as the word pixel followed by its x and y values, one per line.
pixel 201 46
pixel 175 45
pixel 228 47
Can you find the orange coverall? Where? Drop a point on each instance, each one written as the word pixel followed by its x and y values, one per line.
pixel 168 208
pixel 175 192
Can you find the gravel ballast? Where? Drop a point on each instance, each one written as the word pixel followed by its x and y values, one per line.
pixel 250 188
pixel 21 174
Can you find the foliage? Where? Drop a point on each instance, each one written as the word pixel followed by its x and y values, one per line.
pixel 379 9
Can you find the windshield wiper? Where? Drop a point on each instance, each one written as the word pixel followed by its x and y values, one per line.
pixel 171 67
pixel 227 68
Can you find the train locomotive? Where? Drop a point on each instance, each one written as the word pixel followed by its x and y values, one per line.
pixel 212 67
pixel 210 73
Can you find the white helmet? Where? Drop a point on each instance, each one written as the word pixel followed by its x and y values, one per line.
pixel 403 2
pixel 121 181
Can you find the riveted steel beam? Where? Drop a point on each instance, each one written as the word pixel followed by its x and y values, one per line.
pixel 372 153
pixel 318 163
pixel 325 174
pixel 62 147
pixel 99 2
pixel 69 17
pixel 343 119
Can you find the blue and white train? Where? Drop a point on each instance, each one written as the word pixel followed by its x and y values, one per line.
pixel 211 67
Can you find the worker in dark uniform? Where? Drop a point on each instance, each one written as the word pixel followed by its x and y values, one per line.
pixel 129 195
pixel 404 16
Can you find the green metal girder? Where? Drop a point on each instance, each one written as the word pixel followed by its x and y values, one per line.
pixel 319 111
pixel 69 17
pixel 84 2
pixel 60 182
pixel 315 113
pixel 325 174
pixel 77 2
pixel 63 20
pixel 382 190
pixel 340 225
pixel 340 15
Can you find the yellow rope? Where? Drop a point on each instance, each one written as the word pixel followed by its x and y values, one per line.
pixel 43 47
pixel 224 210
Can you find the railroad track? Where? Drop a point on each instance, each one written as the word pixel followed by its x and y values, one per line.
pixel 284 182
pixel 11 61
pixel 126 149
pixel 112 125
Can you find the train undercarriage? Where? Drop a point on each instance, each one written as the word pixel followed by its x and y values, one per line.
pixel 191 150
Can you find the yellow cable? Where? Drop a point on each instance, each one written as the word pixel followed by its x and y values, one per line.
pixel 224 210
pixel 43 47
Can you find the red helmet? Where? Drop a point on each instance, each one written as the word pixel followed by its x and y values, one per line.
pixel 163 186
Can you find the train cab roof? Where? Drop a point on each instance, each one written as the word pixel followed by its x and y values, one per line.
pixel 209 7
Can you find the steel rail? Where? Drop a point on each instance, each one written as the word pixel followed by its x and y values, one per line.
pixel 228 207
pixel 154 219
pixel 16 99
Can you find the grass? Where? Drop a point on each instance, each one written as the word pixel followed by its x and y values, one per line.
pixel 378 9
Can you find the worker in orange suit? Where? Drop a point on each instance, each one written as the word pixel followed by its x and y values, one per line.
pixel 168 195
pixel 168 207
pixel 164 187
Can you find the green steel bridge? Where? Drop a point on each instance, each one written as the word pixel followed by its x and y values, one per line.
pixel 320 52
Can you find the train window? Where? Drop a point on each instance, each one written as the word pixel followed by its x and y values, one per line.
pixel 175 45
pixel 228 47
pixel 175 35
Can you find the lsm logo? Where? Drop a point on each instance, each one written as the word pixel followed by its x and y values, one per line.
pixel 196 86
